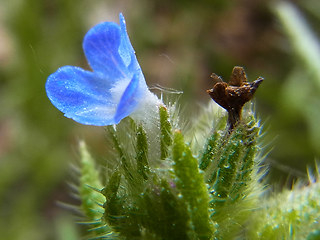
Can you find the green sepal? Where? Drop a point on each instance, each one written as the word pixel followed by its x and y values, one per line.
pixel 166 214
pixel 230 169
pixel 91 197
pixel 116 209
pixel 89 181
pixel 192 186
pixel 209 151
pixel 290 214
pixel 165 132
pixel 113 206
pixel 142 153
pixel 126 166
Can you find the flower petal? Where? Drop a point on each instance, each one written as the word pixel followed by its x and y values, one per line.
pixel 130 99
pixel 82 95
pixel 101 47
pixel 126 50
pixel 114 89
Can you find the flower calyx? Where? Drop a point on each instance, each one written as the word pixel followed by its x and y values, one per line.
pixel 233 95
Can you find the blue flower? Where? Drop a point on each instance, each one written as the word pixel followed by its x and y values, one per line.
pixel 113 90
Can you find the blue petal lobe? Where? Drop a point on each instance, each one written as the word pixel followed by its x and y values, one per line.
pixel 128 54
pixel 126 50
pixel 82 95
pixel 124 34
pixel 101 47
pixel 130 99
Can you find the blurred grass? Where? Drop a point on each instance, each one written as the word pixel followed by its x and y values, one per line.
pixel 179 44
pixel 35 160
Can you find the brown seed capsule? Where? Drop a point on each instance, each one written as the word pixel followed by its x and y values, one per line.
pixel 233 95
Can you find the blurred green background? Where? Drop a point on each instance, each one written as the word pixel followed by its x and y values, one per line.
pixel 178 44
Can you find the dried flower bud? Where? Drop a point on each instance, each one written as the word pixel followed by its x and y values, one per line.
pixel 233 95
